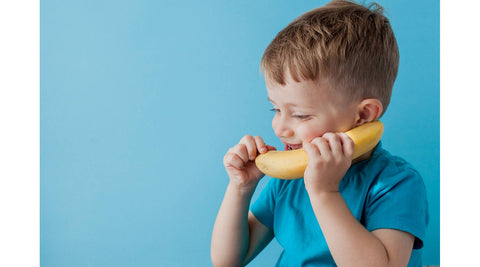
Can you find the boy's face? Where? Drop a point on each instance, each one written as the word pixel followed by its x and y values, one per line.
pixel 305 110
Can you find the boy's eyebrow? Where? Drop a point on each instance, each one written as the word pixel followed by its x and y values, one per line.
pixel 286 104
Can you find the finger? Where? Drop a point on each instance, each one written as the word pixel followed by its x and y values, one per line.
pixel 271 148
pixel 334 142
pixel 347 144
pixel 311 149
pixel 323 147
pixel 241 151
pixel 249 143
pixel 262 148
pixel 233 160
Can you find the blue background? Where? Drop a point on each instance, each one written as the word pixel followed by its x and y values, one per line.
pixel 140 100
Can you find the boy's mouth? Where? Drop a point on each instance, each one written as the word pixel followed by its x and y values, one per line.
pixel 292 146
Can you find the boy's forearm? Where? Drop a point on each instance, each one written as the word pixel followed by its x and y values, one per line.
pixel 230 233
pixel 350 243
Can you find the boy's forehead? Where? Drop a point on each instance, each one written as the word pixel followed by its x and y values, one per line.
pixel 305 93
pixel 305 87
pixel 289 80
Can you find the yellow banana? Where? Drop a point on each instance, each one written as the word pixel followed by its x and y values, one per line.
pixel 291 164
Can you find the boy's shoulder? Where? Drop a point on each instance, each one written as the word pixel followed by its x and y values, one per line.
pixel 386 162
pixel 385 168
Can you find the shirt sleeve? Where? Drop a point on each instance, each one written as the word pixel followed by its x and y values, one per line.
pixel 398 201
pixel 263 208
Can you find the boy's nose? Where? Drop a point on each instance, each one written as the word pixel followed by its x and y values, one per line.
pixel 281 129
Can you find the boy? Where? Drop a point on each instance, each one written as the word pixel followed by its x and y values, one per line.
pixel 330 70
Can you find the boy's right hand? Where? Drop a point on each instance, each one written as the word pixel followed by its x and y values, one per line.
pixel 239 162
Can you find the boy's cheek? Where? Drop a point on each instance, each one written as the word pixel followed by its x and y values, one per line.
pixel 308 134
pixel 309 138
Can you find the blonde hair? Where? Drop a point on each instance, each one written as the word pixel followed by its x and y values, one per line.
pixel 350 46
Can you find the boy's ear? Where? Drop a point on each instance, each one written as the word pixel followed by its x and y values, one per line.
pixel 369 110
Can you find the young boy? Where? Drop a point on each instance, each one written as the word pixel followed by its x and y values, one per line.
pixel 330 70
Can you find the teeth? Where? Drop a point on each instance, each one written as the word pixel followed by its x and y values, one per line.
pixel 293 147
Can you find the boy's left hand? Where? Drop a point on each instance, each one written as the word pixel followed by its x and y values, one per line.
pixel 329 158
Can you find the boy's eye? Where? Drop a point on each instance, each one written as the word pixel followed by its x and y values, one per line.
pixel 301 116
pixel 275 110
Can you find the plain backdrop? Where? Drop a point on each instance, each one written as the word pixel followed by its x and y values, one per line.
pixel 140 100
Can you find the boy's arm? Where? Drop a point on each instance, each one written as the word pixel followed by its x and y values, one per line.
pixel 237 235
pixel 350 243
pixel 260 237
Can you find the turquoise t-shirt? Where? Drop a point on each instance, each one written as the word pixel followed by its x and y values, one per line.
pixel 382 192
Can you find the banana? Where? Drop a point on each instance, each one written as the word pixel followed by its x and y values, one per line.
pixel 291 164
